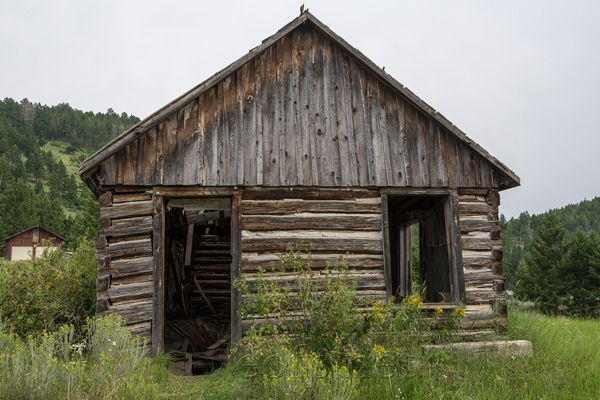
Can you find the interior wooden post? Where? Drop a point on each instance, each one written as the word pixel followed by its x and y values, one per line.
pixel 454 248
pixel 387 259
pixel 158 297
pixel 236 268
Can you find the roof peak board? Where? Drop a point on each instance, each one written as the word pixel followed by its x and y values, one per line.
pixel 508 178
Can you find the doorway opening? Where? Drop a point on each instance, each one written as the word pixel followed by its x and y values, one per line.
pixel 197 263
pixel 420 247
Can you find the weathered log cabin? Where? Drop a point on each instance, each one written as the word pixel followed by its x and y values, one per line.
pixel 302 140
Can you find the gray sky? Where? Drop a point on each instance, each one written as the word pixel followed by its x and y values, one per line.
pixel 521 78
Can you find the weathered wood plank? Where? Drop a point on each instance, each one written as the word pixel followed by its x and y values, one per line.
pixel 308 194
pixel 309 206
pixel 140 173
pixel 126 249
pixel 158 296
pixel 172 150
pixel 125 198
pixel 132 312
pixel 304 49
pixel 150 157
pixel 128 227
pixel 119 293
pixel 343 119
pixel 159 172
pixel 374 128
pixel 260 66
pixel 236 269
pixel 125 210
pixel 189 143
pixel 338 222
pixel 128 267
pixel 368 246
pixel 248 115
pixel 212 131
pixel 250 263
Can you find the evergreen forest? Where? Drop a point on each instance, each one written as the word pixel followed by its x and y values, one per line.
pixel 40 149
pixel 553 258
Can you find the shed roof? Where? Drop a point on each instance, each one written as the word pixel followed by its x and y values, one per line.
pixel 35 226
pixel 507 178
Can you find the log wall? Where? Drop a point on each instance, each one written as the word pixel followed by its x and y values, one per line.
pixel 301 113
pixel 332 222
pixel 482 257
pixel 125 262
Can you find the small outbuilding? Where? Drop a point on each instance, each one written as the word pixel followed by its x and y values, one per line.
pixel 301 141
pixel 30 243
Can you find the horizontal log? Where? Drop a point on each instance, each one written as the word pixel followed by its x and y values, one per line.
pixel 506 348
pixel 101 306
pixel 363 281
pixel 192 191
pixel 482 295
pixel 128 267
pixel 127 292
pixel 128 227
pixel 126 249
pixel 130 189
pixel 203 276
pixel 131 279
pixel 105 199
pixel 342 245
pixel 280 207
pixel 126 198
pixel 471 198
pixel 126 210
pixel 493 198
pixel 132 312
pixel 478 244
pixel 308 194
pixel 102 283
pixel 223 268
pixel 473 208
pixel 250 263
pixel 203 218
pixel 471 225
pixel 100 242
pixel 355 223
pixel 143 330
pixel 472 191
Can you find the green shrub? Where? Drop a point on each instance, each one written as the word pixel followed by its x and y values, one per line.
pixel 309 333
pixel 43 294
pixel 54 366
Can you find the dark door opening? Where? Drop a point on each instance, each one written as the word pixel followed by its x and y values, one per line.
pixel 197 282
pixel 432 274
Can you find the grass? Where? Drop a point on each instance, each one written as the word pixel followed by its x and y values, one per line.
pixel 59 151
pixel 565 365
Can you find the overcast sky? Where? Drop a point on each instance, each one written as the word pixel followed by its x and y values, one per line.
pixel 521 78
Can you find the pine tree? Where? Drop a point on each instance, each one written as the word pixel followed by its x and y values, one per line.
pixel 539 275
pixel 582 274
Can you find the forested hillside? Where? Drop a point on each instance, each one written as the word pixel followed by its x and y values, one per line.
pixel 40 148
pixel 554 257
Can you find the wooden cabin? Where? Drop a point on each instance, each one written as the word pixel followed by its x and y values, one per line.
pixel 303 140
pixel 30 243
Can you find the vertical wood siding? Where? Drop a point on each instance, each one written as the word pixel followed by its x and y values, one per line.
pixel 301 113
